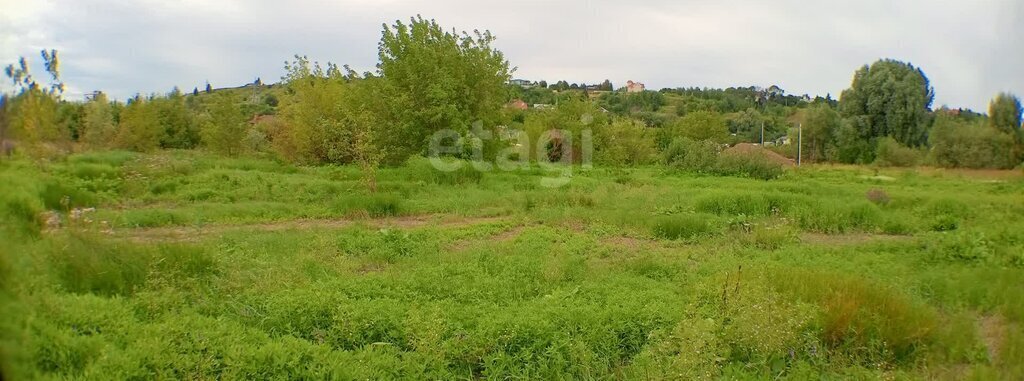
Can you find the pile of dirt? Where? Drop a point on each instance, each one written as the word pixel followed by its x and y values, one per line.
pixel 754 149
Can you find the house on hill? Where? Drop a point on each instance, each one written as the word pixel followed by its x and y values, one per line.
pixel 634 87
pixel 524 83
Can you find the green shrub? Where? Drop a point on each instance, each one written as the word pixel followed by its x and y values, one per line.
pixel 748 164
pixel 751 204
pixel 19 212
pixel 465 174
pixel 91 171
pixel 690 155
pixel 373 205
pixel 890 153
pixel 384 205
pixel 109 158
pixel 58 196
pixel 770 237
pixel 87 264
pixel 838 218
pixel 866 320
pixel 682 226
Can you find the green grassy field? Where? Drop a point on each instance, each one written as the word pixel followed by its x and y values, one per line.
pixel 199 267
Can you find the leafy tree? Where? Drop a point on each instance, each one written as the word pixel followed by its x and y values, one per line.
pixel 957 141
pixel 98 123
pixel 179 127
pixel 890 153
pixel 701 125
pixel 627 103
pixel 573 115
pixel 542 84
pixel 139 128
pixel 821 124
pixel 625 142
pixel 225 126
pixel 439 80
pixel 889 98
pixel 311 114
pixel 692 155
pixel 747 126
pixel 1004 113
pixel 34 117
pixel 851 146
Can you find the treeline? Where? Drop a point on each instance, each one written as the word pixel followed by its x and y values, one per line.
pixel 430 80
pixel 885 117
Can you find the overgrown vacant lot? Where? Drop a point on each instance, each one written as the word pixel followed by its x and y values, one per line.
pixel 197 267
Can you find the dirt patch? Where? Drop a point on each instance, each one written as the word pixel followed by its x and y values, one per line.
pixel 993 333
pixel 752 149
pixel 629 243
pixel 196 233
pixel 849 239
pixel 504 236
pixel 508 235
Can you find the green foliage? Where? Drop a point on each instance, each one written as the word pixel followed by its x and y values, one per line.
pixel 682 226
pixel 747 126
pixel 700 125
pixel 440 79
pixel 139 127
pixel 34 120
pixel 889 98
pixel 627 272
pixel 1004 114
pixel 179 127
pixel 957 142
pixel 574 116
pixel 865 320
pixel 753 164
pixel 851 146
pixel 374 205
pixel 225 127
pixel 85 264
pixel 624 142
pixel 707 157
pixel 893 154
pixel 820 125
pixel 624 103
pixel 98 124
pixel 693 156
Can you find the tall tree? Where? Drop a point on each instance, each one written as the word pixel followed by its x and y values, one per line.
pixel 98 124
pixel 700 125
pixel 225 126
pixel 1004 114
pixel 139 126
pixel 442 79
pixel 889 98
pixel 821 123
pixel 180 130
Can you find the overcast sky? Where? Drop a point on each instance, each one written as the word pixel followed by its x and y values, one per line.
pixel 969 49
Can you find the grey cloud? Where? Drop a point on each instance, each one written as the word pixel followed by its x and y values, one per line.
pixel 969 49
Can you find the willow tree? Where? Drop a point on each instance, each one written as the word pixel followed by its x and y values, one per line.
pixel 889 98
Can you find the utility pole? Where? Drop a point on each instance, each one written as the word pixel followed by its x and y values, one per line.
pixel 799 142
pixel 762 133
